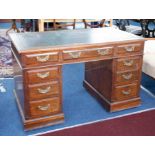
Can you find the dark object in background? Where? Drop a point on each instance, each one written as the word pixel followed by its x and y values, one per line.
pixel 148 27
pixel 29 25
pixel 94 24
pixel 124 25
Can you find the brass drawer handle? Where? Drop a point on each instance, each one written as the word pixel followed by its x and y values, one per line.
pixel 43 75
pixel 43 58
pixel 103 51
pixel 75 54
pixel 126 92
pixel 127 76
pixel 128 62
pixel 129 48
pixel 44 108
pixel 44 91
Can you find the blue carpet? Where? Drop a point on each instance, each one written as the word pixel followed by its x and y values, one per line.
pixel 79 107
pixel 149 83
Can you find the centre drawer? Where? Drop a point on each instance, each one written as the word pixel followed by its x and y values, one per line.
pixel 40 59
pixel 45 107
pixel 42 75
pixel 42 91
pixel 130 63
pixel 87 53
pixel 125 92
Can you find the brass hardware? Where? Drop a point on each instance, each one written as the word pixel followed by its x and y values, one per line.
pixel 129 48
pixel 43 58
pixel 44 108
pixel 44 91
pixel 103 51
pixel 128 62
pixel 126 92
pixel 75 54
pixel 43 75
pixel 127 76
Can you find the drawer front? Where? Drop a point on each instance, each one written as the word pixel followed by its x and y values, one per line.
pixel 43 91
pixel 40 59
pixel 45 107
pixel 126 77
pixel 129 49
pixel 128 63
pixel 87 53
pixel 125 92
pixel 42 75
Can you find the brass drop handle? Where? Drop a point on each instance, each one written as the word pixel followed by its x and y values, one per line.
pixel 126 92
pixel 43 75
pixel 75 54
pixel 129 48
pixel 44 108
pixel 103 51
pixel 127 76
pixel 43 58
pixel 44 91
pixel 128 62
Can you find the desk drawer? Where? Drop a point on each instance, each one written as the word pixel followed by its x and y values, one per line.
pixel 126 77
pixel 87 53
pixel 129 49
pixel 125 92
pixel 42 91
pixel 45 107
pixel 131 63
pixel 42 75
pixel 40 59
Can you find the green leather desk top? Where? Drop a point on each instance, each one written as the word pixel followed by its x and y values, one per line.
pixel 44 40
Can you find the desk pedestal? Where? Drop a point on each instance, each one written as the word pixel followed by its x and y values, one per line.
pixel 101 80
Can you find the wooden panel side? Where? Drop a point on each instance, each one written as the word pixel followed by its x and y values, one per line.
pixel 99 75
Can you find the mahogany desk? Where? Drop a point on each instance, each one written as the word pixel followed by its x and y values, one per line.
pixel 113 64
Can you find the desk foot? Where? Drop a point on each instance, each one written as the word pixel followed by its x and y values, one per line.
pixel 30 124
pixel 112 106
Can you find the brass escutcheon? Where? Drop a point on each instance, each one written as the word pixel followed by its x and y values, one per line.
pixel 129 48
pixel 103 51
pixel 43 58
pixel 128 62
pixel 44 91
pixel 43 75
pixel 75 54
pixel 127 76
pixel 126 92
pixel 44 108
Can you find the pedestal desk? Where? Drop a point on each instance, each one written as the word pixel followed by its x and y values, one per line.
pixel 113 63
